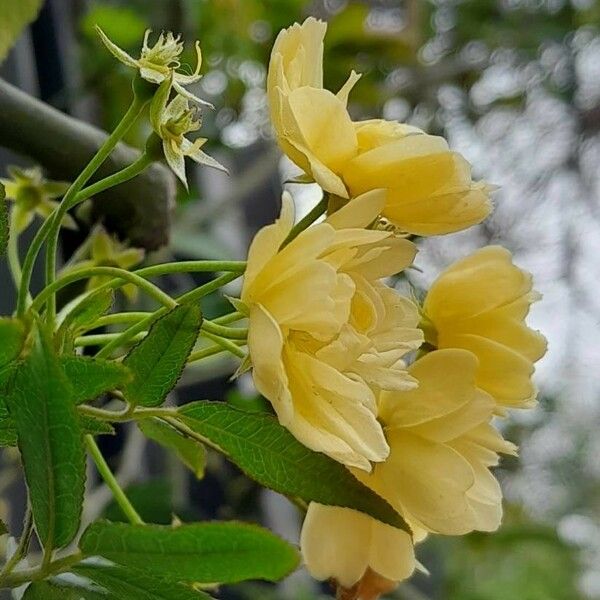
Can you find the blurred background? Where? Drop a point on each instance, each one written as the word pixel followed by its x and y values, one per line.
pixel 515 86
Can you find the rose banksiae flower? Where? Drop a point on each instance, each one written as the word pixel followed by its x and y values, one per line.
pixel 172 120
pixel 33 194
pixel 160 62
pixel 480 304
pixel 429 189
pixel 101 249
pixel 325 334
pixel 436 475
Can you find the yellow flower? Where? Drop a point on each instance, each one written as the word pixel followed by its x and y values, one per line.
pixel 103 250
pixel 349 546
pixel 429 187
pixel 312 125
pixel 437 476
pixel 325 335
pixel 171 121
pixel 33 194
pixel 480 304
pixel 160 62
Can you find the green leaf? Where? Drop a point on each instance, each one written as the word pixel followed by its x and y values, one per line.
pixel 159 359
pixel 12 336
pixel 151 500
pixel 4 231
pixel 270 454
pixel 91 377
pixel 50 440
pixel 45 590
pixel 214 552
pixel 95 426
pixel 191 452
pixel 83 313
pixel 14 17
pixel 8 434
pixel 136 585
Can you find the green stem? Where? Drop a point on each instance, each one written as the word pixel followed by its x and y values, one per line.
pixel 107 147
pixel 228 345
pixel 100 339
pixel 309 219
pixel 229 318
pixel 12 253
pixel 132 277
pixel 208 351
pixel 111 482
pixel 235 333
pixel 118 319
pixel 54 567
pixel 129 172
pixel 194 266
pixel 145 324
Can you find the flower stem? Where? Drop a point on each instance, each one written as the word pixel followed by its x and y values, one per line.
pixel 235 333
pixel 127 121
pixel 307 220
pixel 12 252
pixel 132 277
pixel 111 481
pixel 21 547
pixel 228 345
pixel 144 324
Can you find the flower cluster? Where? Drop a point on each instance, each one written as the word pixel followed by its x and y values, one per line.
pixel 332 345
pixel 171 119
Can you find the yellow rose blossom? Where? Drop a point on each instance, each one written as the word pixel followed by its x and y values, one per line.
pixel 325 335
pixel 437 476
pixel 480 303
pixel 429 187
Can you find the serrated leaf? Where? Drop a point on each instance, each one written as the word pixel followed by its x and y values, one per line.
pixel 46 590
pixel 14 17
pixel 136 585
pixel 191 452
pixel 50 441
pixel 216 552
pixel 159 359
pixel 268 453
pixel 90 377
pixel 4 231
pixel 8 434
pixel 12 338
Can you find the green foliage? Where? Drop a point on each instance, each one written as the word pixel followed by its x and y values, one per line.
pixel 50 442
pixel 191 452
pixel 125 27
pixel 4 231
pixel 91 377
pixel 271 455
pixel 136 585
pixel 85 312
pixel 12 334
pixel 523 561
pixel 152 500
pixel 3 528
pixel 159 359
pixel 45 590
pixel 14 17
pixel 224 552
pixel 95 426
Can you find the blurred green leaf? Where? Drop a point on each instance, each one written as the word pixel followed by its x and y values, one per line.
pixel 12 334
pixel 135 585
pixel 50 441
pixel 191 452
pixel 223 552
pixel 271 455
pixel 151 499
pixel 123 25
pixel 91 377
pixel 14 17
pixel 159 359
